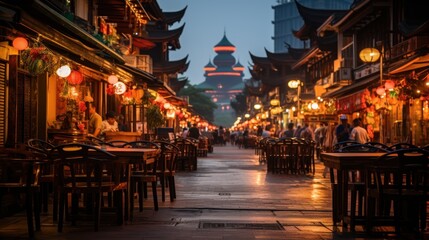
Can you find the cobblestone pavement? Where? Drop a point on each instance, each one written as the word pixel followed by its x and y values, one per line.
pixel 230 196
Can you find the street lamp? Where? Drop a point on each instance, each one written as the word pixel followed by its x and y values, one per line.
pixel 296 84
pixel 372 55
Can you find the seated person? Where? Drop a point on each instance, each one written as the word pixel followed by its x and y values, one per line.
pixel 110 124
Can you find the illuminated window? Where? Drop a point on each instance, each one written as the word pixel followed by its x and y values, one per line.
pixel 219 86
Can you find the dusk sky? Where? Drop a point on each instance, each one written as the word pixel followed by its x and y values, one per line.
pixel 247 23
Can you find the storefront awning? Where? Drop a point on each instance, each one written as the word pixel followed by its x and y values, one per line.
pixel 410 65
pixel 352 87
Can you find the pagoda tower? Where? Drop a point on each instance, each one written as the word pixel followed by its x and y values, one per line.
pixel 224 80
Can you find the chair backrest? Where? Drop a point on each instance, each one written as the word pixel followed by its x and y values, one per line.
pixel 404 145
pixel 116 143
pixel 340 145
pixel 378 144
pixel 81 164
pixel 18 168
pixel 169 154
pixel 39 147
pixel 141 144
pixel 402 169
pixel 361 148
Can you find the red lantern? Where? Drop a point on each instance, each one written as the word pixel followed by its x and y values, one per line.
pixel 75 77
pixel 380 91
pixel 20 43
pixel 389 84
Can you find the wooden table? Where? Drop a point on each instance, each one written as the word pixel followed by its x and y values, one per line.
pixel 131 156
pixel 343 163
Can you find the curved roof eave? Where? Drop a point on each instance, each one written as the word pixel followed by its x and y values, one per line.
pixel 172 17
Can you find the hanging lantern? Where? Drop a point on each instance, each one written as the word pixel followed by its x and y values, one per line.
pixel 369 55
pixel 314 106
pixel 120 88
pixel 274 102
pixel 20 43
pixel 112 79
pixel 167 105
pixel 64 71
pixel 75 77
pixel 389 85
pixel 380 91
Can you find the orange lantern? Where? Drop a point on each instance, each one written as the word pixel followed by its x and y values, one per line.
pixel 20 43
pixel 75 77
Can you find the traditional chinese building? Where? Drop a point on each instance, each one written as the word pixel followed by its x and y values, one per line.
pixel 224 80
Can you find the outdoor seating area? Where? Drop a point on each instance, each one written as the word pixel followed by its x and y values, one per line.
pixel 376 188
pixel 288 156
pixel 76 181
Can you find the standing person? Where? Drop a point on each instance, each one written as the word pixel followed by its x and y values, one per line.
pixel 319 137
pixel 358 133
pixel 307 132
pixel 95 120
pixel 185 132
pixel 221 135
pixel 342 131
pixel 194 132
pixel 110 124
pixel 297 133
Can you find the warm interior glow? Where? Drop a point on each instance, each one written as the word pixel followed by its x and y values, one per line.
pixel 257 106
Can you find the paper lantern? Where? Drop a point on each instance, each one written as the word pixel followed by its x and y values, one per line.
pixel 369 55
pixel 120 88
pixel 20 43
pixel 389 84
pixel 64 71
pixel 380 91
pixel 75 77
pixel 112 79
pixel 274 102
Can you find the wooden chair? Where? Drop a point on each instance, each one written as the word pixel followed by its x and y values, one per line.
pixel 187 160
pixel 40 149
pixel 116 143
pixel 90 171
pixel 19 175
pixel 399 178
pixel 356 182
pixel 339 145
pixel 362 148
pixel 167 168
pixel 403 145
pixel 377 144
pixel 143 172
